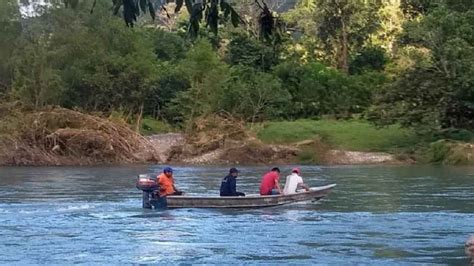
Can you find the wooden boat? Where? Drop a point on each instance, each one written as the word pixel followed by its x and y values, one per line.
pixel 251 201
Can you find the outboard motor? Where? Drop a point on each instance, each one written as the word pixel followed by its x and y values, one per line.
pixel 148 183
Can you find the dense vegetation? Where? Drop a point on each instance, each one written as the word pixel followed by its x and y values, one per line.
pixel 403 62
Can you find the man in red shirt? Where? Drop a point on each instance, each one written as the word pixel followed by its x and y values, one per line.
pixel 269 185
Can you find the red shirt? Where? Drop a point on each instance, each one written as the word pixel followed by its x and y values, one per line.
pixel 268 182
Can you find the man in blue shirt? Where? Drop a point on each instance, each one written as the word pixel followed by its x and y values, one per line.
pixel 229 184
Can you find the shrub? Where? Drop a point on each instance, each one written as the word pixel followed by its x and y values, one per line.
pixel 318 90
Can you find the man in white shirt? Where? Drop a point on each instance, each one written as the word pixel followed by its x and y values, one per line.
pixel 294 181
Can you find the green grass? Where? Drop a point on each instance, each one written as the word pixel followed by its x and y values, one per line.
pixel 356 135
pixel 152 126
pixel 450 152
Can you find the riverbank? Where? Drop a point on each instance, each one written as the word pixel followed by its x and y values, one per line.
pixel 331 141
pixel 304 141
pixel 257 153
pixel 355 141
pixel 327 142
pixel 59 136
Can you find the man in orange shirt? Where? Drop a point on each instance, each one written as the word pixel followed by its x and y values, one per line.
pixel 166 183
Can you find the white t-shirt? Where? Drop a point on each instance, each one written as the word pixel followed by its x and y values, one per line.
pixel 292 182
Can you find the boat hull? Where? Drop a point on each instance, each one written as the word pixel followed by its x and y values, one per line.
pixel 251 201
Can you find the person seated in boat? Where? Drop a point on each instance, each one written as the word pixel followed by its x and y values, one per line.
pixel 229 184
pixel 269 184
pixel 294 181
pixel 166 183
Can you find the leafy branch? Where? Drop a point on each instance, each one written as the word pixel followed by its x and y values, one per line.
pixel 212 12
pixel 131 9
pixel 209 11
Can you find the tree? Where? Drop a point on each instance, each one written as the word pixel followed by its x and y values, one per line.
pixel 337 27
pixel 248 51
pixel 36 83
pixel 207 74
pixel 370 58
pixel 318 90
pixel 414 8
pixel 169 83
pixel 253 95
pixel 10 30
pixel 391 20
pixel 414 100
pixel 439 95
pixel 344 25
pixel 90 62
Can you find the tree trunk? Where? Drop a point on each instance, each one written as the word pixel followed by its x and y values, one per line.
pixel 343 60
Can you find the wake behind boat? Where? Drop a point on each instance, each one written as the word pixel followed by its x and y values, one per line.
pixel 150 199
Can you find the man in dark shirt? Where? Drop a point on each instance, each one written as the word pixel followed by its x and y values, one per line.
pixel 229 184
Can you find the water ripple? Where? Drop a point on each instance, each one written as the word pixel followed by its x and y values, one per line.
pixel 377 215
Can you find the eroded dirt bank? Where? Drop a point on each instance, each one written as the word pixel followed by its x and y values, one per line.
pixel 59 136
pixel 224 141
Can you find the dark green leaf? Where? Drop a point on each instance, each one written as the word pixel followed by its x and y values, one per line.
pixel 130 12
pixel 117 5
pixel 212 16
pixel 189 6
pixel 230 11
pixel 71 3
pixel 143 5
pixel 266 22
pixel 235 18
pixel 195 19
pixel 93 6
pixel 225 7
pixel 137 7
pixel 152 10
pixel 179 5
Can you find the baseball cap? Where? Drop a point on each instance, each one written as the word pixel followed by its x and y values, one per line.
pixel 233 170
pixel 296 170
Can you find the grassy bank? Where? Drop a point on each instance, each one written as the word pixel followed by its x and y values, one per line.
pixel 319 136
pixel 359 135
pixel 349 135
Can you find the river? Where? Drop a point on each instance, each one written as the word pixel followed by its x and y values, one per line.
pixel 390 215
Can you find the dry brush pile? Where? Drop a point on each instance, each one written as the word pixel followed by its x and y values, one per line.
pixel 58 136
pixel 217 139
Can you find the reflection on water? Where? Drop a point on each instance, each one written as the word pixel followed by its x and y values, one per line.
pixel 376 215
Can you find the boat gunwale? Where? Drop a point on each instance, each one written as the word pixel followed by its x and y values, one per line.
pixel 314 190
